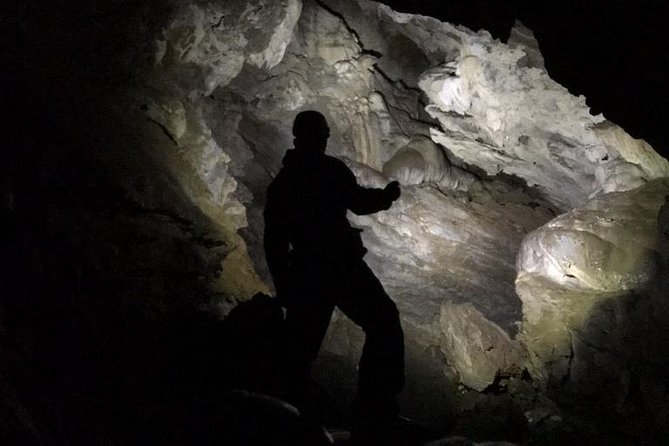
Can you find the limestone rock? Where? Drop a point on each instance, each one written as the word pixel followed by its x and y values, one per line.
pixel 523 38
pixel 205 45
pixel 605 245
pixel 422 161
pixel 372 119
pixel 219 37
pixel 517 204
pixel 641 161
pixel 487 147
pixel 230 77
pixel 478 349
pixel 443 245
pixel 503 116
pixel 592 283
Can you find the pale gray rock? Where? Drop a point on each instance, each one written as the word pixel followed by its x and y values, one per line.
pixel 373 120
pixel 478 349
pixel 428 245
pixel 204 47
pixel 422 161
pixel 640 163
pixel 605 245
pixel 487 147
pixel 529 233
pixel 595 313
pixel 418 162
pixel 219 37
pixel 506 117
pixel 498 109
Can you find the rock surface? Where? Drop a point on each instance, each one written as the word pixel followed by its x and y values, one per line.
pixel 220 127
pixel 595 313
pixel 487 147
pixel 478 349
pixel 518 206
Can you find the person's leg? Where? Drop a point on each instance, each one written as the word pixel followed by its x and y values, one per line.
pixel 307 318
pixel 306 325
pixel 381 370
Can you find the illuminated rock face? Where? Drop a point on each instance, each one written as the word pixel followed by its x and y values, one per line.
pixel 593 285
pixel 487 147
pixel 529 235
pixel 220 38
pixel 503 116
pixel 476 347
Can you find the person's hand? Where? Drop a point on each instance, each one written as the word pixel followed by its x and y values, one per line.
pixel 393 190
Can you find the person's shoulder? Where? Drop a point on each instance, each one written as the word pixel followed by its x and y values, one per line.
pixel 278 182
pixel 338 169
pixel 335 163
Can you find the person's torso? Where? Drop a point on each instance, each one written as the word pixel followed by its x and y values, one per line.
pixel 314 198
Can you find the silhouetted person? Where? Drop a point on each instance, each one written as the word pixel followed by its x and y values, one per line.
pixel 315 259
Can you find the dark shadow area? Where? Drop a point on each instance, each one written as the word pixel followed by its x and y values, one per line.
pixel 611 52
pixel 617 379
pixel 106 335
pixel 617 387
pixel 101 337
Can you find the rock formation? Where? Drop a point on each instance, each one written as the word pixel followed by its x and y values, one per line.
pixel 527 232
pixel 592 282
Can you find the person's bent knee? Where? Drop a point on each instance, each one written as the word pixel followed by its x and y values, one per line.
pixel 390 311
pixel 386 319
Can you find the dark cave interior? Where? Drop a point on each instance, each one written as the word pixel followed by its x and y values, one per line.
pixel 83 359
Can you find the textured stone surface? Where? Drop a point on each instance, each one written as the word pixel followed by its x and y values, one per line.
pixel 218 38
pixel 595 313
pixel 444 110
pixel 196 113
pixel 379 126
pixel 486 146
pixel 604 249
pixel 503 114
pixel 478 349
pixel 205 46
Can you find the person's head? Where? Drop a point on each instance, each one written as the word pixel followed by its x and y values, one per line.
pixel 311 131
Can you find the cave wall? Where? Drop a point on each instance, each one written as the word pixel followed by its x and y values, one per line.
pixel 181 112
pixel 379 127
pixel 446 111
pixel 592 282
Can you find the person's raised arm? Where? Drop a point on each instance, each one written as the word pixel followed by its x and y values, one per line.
pixel 364 200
